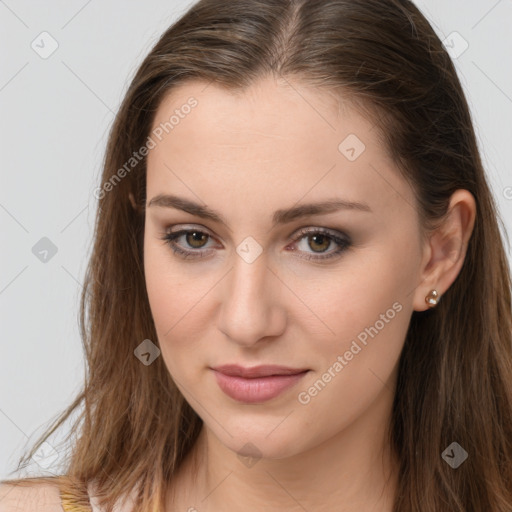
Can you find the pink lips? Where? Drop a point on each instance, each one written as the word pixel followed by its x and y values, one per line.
pixel 256 384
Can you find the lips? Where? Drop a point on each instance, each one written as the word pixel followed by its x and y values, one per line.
pixel 268 370
pixel 256 384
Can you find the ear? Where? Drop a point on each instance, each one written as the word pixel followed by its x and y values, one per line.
pixel 135 206
pixel 132 201
pixel 445 249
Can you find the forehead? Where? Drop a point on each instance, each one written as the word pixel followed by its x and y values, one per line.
pixel 268 109
pixel 274 140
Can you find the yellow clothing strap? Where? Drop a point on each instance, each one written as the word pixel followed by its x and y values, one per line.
pixel 69 503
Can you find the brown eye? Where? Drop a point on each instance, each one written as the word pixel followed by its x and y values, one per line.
pixel 196 239
pixel 321 241
pixel 313 243
pixel 188 243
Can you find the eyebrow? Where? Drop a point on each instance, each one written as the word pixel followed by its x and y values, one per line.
pixel 280 216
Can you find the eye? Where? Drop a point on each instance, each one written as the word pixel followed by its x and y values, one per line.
pixel 318 239
pixel 194 239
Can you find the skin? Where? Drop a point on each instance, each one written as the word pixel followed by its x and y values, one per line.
pixel 247 155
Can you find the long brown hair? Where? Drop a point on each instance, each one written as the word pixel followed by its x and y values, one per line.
pixel 455 371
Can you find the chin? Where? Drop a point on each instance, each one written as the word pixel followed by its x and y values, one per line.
pixel 258 441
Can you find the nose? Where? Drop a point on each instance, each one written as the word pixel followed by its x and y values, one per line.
pixel 250 309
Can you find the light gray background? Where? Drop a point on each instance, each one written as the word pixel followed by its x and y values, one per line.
pixel 56 113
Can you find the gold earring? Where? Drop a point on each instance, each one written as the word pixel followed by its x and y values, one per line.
pixel 432 298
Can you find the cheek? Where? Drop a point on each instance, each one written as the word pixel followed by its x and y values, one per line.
pixel 178 307
pixel 353 297
pixel 157 282
pixel 369 313
pixel 367 309
pixel 357 301
pixel 163 287
pixel 166 283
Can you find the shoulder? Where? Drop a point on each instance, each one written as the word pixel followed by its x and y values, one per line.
pixel 30 498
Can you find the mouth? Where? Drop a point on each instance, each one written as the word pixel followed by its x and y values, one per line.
pixel 257 384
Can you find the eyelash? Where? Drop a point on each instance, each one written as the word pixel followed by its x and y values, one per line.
pixel 342 241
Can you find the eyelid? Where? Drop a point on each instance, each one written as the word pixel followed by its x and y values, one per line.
pixel 300 231
pixel 339 238
pixel 318 229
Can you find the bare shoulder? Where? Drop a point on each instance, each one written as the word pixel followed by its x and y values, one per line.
pixel 30 498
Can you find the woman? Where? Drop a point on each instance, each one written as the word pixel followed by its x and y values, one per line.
pixel 298 296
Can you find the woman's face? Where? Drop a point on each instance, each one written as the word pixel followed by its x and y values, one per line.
pixel 269 280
